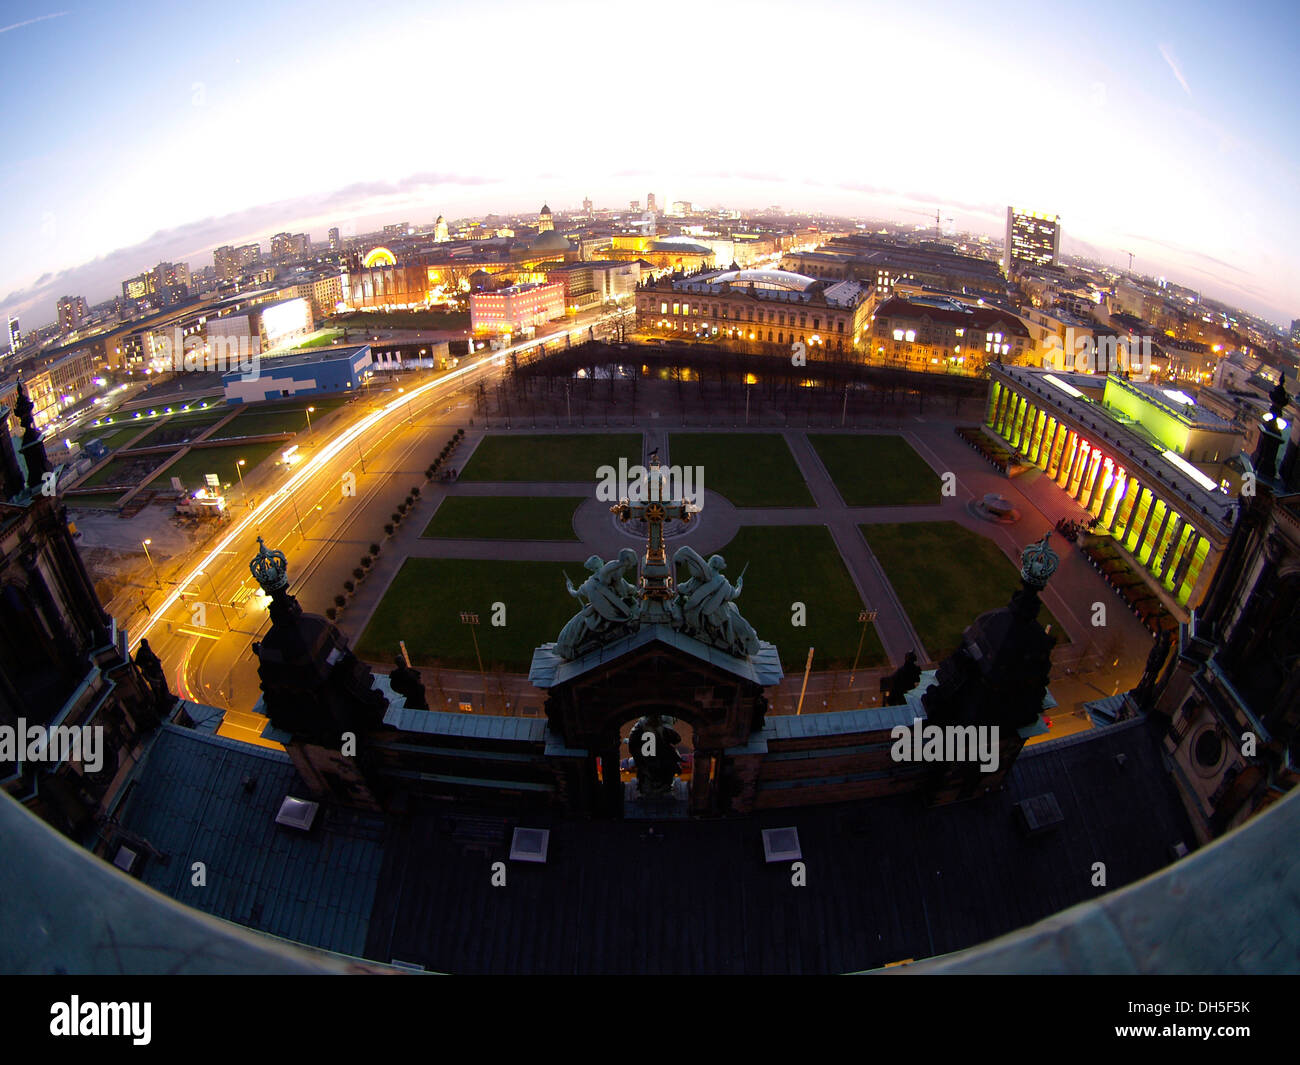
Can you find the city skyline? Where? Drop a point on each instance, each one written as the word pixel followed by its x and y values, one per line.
pixel 1160 146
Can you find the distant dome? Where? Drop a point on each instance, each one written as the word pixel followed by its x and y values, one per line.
pixel 545 209
pixel 551 241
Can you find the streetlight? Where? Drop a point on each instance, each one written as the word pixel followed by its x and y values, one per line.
pixel 156 579
pixel 409 417
pixel 239 469
pixel 309 410
pixel 469 618
pixel 216 598
pixel 864 616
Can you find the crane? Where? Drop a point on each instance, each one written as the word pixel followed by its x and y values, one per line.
pixel 938 221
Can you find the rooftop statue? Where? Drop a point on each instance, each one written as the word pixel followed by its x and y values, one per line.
pixel 269 567
pixel 708 605
pixel 611 604
pixel 702 606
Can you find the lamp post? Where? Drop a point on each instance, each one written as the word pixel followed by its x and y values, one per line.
pixel 239 469
pixel 409 417
pixel 361 456
pixel 864 616
pixel 297 517
pixel 469 618
pixel 156 579
pixel 308 412
pixel 216 598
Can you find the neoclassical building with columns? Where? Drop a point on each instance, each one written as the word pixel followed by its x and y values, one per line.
pixel 1167 516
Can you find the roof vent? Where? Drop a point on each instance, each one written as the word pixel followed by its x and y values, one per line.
pixel 126 859
pixel 1040 813
pixel 297 813
pixel 530 845
pixel 781 845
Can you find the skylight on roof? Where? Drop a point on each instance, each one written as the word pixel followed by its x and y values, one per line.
pixel 1068 389
pixel 1191 471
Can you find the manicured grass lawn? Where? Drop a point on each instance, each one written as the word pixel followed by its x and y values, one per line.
pixel 111 437
pixel 550 456
pixel 750 469
pixel 219 460
pixel 423 604
pixel 800 564
pixel 258 419
pixel 504 518
pixel 873 471
pixel 946 576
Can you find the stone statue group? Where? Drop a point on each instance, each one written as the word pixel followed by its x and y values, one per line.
pixel 703 605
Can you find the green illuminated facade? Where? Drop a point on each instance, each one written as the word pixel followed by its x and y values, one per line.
pixel 1114 472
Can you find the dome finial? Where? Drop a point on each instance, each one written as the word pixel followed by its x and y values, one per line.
pixel 269 568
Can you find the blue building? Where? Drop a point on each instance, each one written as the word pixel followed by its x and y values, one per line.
pixel 307 373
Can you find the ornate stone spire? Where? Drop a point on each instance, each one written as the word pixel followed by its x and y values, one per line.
pixel 33 448
pixel 1270 433
pixel 1037 563
pixel 270 567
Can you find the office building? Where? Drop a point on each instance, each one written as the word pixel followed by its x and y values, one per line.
pixel 1032 240
pixel 71 312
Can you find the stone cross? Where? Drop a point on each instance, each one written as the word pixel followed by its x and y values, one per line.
pixel 656 575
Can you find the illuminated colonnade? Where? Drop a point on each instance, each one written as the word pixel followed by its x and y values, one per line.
pixel 1175 542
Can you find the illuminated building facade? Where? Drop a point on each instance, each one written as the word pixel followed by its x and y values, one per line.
pixel 15 334
pixel 517 307
pixel 773 308
pixel 306 374
pixel 1032 240
pixel 285 247
pixel 1168 519
pixel 595 282
pixel 71 310
pixel 386 287
pixel 941 335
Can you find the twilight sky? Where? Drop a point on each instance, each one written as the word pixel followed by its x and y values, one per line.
pixel 147 131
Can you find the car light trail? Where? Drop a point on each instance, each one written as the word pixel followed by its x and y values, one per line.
pixel 327 454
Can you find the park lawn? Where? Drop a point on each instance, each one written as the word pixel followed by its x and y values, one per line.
pixel 112 437
pixel 750 469
pixel 550 456
pixel 259 419
pixel 504 518
pixel 219 460
pixel 423 605
pixel 874 471
pixel 800 564
pixel 945 575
